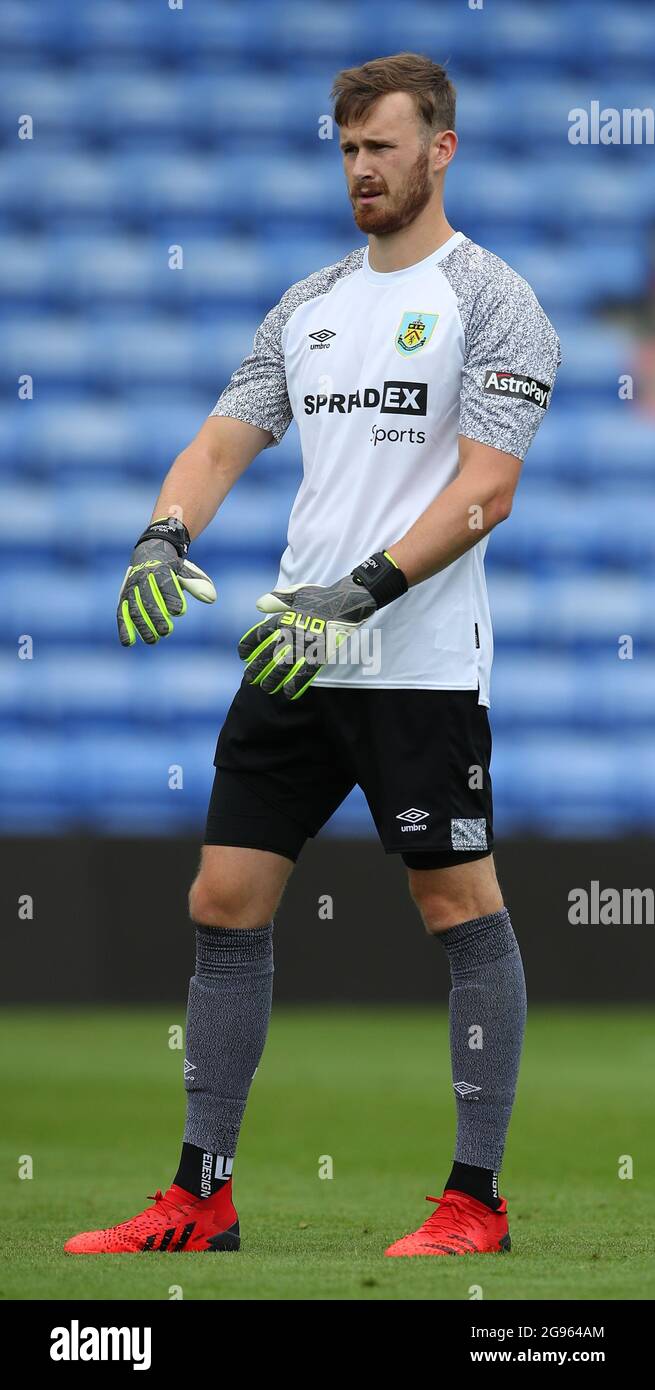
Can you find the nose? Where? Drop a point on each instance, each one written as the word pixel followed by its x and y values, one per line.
pixel 362 168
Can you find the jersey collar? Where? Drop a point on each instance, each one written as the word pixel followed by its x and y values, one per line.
pixel 386 277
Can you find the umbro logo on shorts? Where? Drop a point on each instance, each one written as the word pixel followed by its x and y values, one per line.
pixel 413 815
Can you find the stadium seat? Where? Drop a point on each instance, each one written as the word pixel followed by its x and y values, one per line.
pixel 199 129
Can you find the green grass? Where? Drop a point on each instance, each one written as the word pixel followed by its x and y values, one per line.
pixel 96 1099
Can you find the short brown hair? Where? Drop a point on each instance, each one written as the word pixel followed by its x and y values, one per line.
pixel 356 89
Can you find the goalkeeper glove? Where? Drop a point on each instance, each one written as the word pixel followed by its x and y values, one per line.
pixel 307 624
pixel 152 591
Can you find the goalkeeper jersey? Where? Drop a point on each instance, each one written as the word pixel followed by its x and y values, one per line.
pixel 381 372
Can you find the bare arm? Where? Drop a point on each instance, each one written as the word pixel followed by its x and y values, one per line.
pixel 202 475
pixel 468 509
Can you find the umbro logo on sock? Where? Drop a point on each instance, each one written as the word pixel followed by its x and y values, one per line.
pixel 466 1090
pixel 189 1067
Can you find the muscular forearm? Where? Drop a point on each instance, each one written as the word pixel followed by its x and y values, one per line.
pixel 193 489
pixel 450 526
pixel 204 472
pixel 466 511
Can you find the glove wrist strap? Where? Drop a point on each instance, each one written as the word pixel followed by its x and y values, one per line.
pixel 168 528
pixel 382 577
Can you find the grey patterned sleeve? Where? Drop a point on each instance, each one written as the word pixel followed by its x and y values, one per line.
pixel 511 355
pixel 511 359
pixel 257 391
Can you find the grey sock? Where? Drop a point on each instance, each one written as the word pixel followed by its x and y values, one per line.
pixel 487 1022
pixel 227 1022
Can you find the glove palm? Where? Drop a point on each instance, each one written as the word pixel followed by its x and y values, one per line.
pixel 303 631
pixel 152 592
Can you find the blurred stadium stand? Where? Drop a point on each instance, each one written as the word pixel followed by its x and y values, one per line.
pixel 199 128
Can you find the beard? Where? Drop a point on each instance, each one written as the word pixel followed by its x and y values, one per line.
pixel 390 214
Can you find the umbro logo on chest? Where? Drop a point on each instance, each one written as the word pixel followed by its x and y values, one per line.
pixel 321 339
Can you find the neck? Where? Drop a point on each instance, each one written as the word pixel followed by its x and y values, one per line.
pixel 397 250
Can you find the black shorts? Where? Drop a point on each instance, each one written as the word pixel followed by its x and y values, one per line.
pixel 421 757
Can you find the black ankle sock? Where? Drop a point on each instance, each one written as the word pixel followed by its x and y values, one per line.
pixel 481 1183
pixel 202 1173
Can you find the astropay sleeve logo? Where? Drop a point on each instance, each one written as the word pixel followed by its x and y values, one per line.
pixel 502 383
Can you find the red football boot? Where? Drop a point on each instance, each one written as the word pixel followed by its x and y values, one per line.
pixel 178 1221
pixel 460 1226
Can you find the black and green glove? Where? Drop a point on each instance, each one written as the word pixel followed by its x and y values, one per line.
pixel 152 593
pixel 307 625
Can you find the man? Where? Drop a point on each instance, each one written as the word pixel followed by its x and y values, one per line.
pixel 440 364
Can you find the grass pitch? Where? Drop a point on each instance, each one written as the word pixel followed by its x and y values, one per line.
pixel 96 1100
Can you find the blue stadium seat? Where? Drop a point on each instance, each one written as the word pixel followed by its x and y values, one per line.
pixel 586 274
pixel 596 439
pixel 199 128
pixel 575 610
pixel 595 797
pixel 560 525
pixel 548 690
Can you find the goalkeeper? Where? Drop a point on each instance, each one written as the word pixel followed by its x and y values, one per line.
pixel 439 364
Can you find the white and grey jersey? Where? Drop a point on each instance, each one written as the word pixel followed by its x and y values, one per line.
pixel 382 372
pixel 257 391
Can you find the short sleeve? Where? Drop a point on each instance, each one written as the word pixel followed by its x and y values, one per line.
pixel 511 357
pixel 257 391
